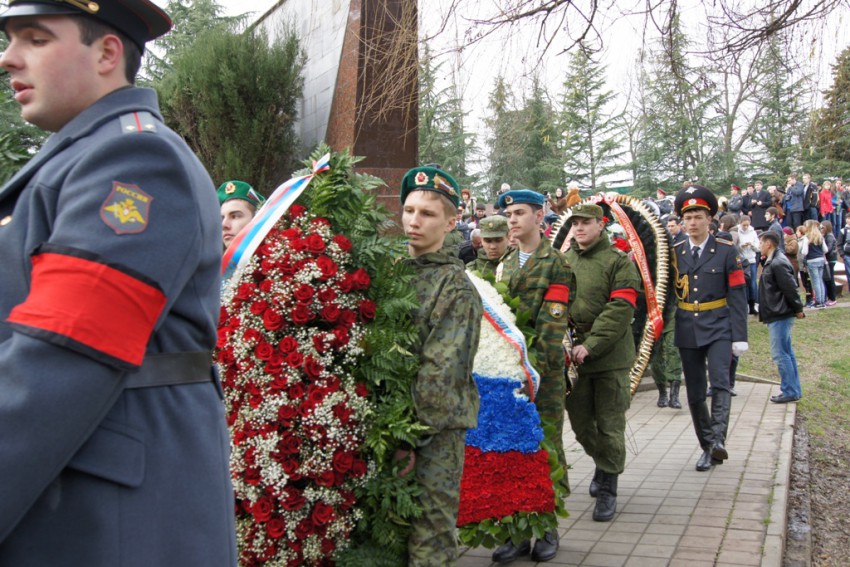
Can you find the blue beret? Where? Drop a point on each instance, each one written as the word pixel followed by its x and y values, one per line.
pixel 520 196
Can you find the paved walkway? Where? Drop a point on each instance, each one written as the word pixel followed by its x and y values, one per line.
pixel 670 514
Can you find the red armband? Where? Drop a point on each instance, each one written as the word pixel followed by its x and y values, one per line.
pixel 628 294
pixel 736 278
pixel 78 296
pixel 558 292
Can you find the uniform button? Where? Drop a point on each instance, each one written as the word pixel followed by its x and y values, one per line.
pixel 696 289
pixel 5 220
pixel 696 277
pixel 696 314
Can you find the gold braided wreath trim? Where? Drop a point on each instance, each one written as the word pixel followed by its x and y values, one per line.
pixel 655 302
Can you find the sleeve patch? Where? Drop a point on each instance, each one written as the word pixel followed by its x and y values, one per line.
pixel 76 297
pixel 127 208
pixel 558 292
pixel 628 294
pixel 736 278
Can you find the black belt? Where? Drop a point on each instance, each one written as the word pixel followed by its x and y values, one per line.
pixel 172 369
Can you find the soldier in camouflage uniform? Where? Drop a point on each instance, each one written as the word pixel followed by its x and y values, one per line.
pixel 603 305
pixel 541 277
pixel 444 393
pixel 494 232
pixel 665 363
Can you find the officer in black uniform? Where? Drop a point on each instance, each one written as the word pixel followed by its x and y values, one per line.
pixel 711 319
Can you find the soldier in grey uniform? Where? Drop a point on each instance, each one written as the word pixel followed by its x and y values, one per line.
pixel 114 446
pixel 711 319
pixel 448 323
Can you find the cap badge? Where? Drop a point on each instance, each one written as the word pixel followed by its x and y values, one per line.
pixel 230 188
pixel 692 201
pixel 421 178
pixel 509 200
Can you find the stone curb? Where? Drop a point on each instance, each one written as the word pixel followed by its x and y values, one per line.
pixel 774 542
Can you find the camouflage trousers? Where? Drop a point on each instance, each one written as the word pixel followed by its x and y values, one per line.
pixel 597 408
pixel 666 364
pixel 439 466
pixel 550 405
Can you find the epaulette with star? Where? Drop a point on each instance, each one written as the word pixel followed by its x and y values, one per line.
pixel 681 242
pixel 724 241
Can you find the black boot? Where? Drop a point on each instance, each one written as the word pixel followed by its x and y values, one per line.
pixel 545 548
pixel 705 461
pixel 721 403
pixel 594 483
pixel 507 552
pixel 606 500
pixel 662 394
pixel 674 394
pixel 702 427
pixel 753 308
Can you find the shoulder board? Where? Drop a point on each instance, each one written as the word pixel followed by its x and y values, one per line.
pixel 724 241
pixel 136 122
pixel 681 242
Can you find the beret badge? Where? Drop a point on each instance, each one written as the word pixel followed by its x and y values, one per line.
pixel 421 178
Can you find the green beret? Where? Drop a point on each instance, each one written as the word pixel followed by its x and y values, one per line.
pixel 586 210
pixel 520 196
pixel 493 227
pixel 140 20
pixel 429 178
pixel 239 190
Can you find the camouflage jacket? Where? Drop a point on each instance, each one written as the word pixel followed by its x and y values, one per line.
pixel 448 322
pixel 607 285
pixel 483 264
pixel 543 286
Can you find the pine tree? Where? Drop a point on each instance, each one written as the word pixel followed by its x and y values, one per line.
pixel 234 98
pixel 829 138
pixel 504 142
pixel 542 159
pixel 443 138
pixel 591 133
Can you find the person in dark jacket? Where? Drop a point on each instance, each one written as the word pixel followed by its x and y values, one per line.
pixel 780 304
pixel 759 203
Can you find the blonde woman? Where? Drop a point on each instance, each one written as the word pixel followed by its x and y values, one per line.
pixel 813 253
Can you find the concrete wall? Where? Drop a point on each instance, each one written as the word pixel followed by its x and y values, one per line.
pixel 320 25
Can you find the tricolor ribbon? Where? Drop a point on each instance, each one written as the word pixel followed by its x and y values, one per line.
pixel 514 337
pixel 249 238
pixel 653 311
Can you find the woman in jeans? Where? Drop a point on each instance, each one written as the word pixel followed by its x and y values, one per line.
pixel 748 244
pixel 831 259
pixel 813 250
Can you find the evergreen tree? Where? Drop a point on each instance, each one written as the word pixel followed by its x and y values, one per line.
pixel 234 98
pixel 504 142
pixel 591 142
pixel 827 150
pixel 443 138
pixel 780 122
pixel 543 168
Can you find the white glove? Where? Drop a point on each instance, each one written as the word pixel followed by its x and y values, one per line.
pixel 739 348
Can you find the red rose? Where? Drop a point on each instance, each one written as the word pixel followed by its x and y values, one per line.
pixel 320 221
pixel 328 546
pixel 279 383
pixel 316 394
pixel 289 443
pixel 275 528
pixel 301 314
pixel 361 389
pixel 304 293
pixel 252 476
pixel 346 284
pixel 342 336
pixel 245 291
pixel 312 367
pixel 251 336
pixel 330 313
pixel 343 461
pixel 361 279
pixel 326 295
pixel 322 514
pixel 327 478
pixel 287 345
pixel 348 499
pixel 367 309
pixel 285 415
pixel 327 266
pixel 291 232
pixel 319 342
pixel 342 413
pixel 298 244
pixel 262 509
pixel 343 243
pixel 294 500
pixel 296 211
pixel 294 359
pixel 290 466
pixel 358 468
pixel 332 384
pixel 267 265
pixel 304 529
pixel 264 351
pixel 315 244
pixel 347 317
pixel 266 286
pixel 296 391
pixel 225 356
pixel 259 306
pixel 272 320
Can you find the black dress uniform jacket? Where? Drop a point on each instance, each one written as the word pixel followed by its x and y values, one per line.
pixel 717 275
pixel 110 246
